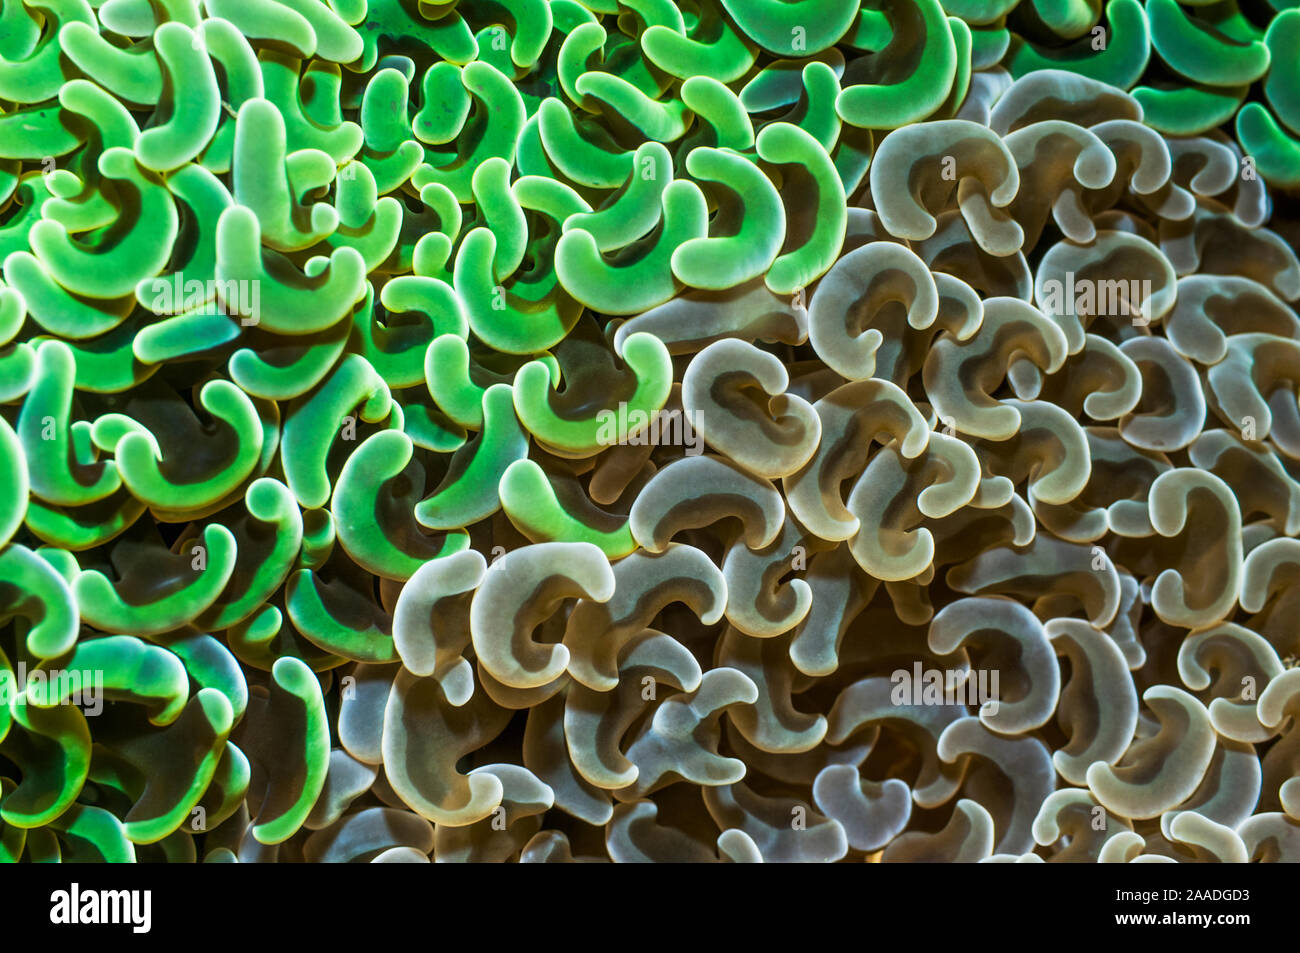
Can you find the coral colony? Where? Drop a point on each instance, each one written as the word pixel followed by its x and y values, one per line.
pixel 549 430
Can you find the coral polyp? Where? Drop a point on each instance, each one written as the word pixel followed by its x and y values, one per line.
pixel 735 430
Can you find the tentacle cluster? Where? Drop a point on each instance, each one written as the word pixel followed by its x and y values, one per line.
pixel 739 431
